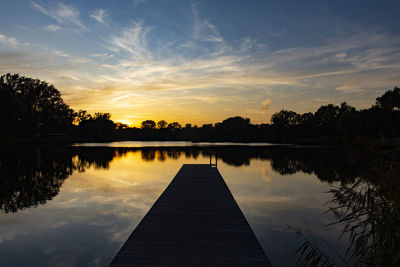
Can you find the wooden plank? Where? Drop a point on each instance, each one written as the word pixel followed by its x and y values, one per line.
pixel 196 221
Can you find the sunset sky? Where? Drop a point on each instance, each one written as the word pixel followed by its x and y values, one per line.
pixel 204 61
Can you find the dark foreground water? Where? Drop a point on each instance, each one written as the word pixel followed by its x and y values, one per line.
pixel 75 206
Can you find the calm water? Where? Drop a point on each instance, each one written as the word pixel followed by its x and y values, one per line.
pixel 75 206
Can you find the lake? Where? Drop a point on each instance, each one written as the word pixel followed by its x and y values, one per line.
pixel 76 206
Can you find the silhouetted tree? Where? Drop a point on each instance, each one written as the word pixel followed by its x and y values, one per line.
pixel 98 126
pixel 174 126
pixel 235 129
pixel 99 116
pixel 148 124
pixel 390 100
pixel 81 116
pixel 326 119
pixel 285 119
pixel 30 106
pixel 121 126
pixel 162 124
pixel 282 122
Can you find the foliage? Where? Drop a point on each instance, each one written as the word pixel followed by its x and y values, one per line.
pixel 81 116
pixel 285 119
pixel 339 122
pixel 310 253
pixel 372 221
pixel 148 124
pixel 368 210
pixel 390 100
pixel 174 126
pixel 30 106
pixel 99 126
pixel 162 124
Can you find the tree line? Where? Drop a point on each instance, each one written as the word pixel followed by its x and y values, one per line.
pixel 30 107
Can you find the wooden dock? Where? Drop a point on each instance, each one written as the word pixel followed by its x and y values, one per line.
pixel 195 222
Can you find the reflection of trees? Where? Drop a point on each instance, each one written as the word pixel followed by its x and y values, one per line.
pixel 195 154
pixel 162 155
pixel 99 158
pixel 327 164
pixel 31 177
pixel 174 154
pixel 148 154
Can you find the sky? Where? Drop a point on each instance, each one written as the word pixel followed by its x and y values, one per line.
pixel 204 61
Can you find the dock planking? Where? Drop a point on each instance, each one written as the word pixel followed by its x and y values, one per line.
pixel 197 222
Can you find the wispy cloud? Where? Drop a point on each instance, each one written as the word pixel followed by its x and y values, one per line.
pixel 204 30
pixel 62 13
pixel 208 99
pixel 99 15
pixel 133 41
pixel 246 44
pixel 52 28
pixel 265 105
pixel 11 41
pixel 135 3
pixel 348 89
pixel 81 60
pixel 103 55
pixel 61 53
pixel 297 70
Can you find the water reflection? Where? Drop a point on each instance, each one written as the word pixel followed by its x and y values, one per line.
pixel 99 194
pixel 34 176
pixel 31 177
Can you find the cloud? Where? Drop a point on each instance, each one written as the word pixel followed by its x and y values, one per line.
pixel 208 99
pixel 62 13
pixel 61 53
pixel 39 7
pixel 99 15
pixel 11 41
pixel 69 77
pixel 103 55
pixel 52 28
pixel 204 30
pixel 265 105
pixel 133 41
pixel 348 89
pixel 288 73
pixel 81 60
pixel 246 44
pixel 135 3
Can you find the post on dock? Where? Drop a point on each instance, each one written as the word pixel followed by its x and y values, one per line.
pixel 216 159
